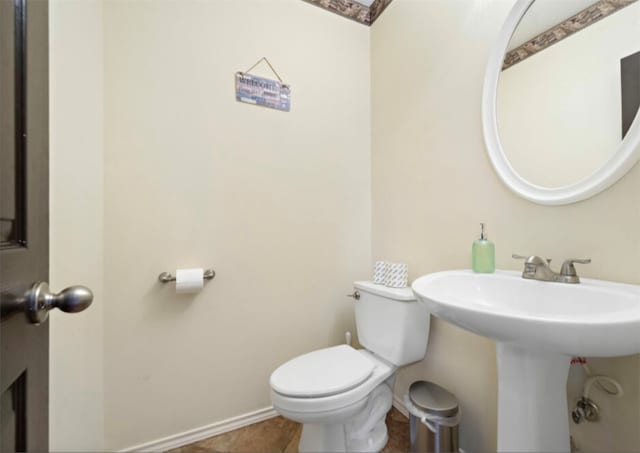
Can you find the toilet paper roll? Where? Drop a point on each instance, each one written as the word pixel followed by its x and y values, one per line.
pixel 379 272
pixel 189 280
pixel 397 275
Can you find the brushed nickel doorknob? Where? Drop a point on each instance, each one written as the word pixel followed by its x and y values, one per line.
pixel 39 300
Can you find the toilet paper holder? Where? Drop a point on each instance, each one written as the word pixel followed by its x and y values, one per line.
pixel 167 277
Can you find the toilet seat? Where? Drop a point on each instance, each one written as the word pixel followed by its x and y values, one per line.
pixel 321 373
pixel 354 397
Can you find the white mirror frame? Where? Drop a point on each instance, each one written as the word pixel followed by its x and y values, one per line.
pixel 617 166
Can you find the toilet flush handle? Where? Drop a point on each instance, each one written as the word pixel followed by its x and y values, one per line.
pixel 355 295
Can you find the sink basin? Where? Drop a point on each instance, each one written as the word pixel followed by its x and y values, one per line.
pixel 592 318
pixel 537 327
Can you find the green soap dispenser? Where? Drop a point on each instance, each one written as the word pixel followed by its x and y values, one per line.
pixel 483 254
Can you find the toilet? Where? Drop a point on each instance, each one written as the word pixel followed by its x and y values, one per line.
pixel 341 395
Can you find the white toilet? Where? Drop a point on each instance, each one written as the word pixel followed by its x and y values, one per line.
pixel 342 394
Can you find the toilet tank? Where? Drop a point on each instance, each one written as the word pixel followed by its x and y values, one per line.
pixel 391 323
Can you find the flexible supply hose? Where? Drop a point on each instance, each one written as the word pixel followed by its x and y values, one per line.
pixel 617 391
pixel 599 380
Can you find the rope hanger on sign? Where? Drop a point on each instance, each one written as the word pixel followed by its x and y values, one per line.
pixel 270 67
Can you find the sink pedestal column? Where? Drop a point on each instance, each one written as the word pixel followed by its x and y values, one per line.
pixel 532 400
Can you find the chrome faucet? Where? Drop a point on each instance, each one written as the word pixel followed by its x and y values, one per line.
pixel 537 268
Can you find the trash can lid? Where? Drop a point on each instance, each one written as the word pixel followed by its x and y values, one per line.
pixel 433 399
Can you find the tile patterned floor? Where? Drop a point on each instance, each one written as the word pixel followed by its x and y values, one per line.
pixel 281 435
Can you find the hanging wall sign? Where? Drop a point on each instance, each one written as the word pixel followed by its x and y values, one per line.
pixel 261 91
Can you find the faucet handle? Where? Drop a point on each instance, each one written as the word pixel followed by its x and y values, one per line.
pixel 568 269
pixel 522 257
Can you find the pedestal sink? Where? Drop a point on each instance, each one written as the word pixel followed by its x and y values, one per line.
pixel 538 326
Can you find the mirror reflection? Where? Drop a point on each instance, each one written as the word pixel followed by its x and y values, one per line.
pixel 565 99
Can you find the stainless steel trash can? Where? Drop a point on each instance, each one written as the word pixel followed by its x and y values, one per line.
pixel 434 416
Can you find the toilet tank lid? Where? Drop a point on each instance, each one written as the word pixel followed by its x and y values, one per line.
pixel 402 294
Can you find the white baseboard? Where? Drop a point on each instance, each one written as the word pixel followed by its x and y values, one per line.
pixel 224 426
pixel 194 435
pixel 398 403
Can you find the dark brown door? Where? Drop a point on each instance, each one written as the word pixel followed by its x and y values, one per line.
pixel 24 222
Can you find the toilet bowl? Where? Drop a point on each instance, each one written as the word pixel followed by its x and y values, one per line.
pixel 341 395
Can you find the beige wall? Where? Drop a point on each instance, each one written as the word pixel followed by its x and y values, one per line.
pixel 277 203
pixel 433 183
pixel 76 412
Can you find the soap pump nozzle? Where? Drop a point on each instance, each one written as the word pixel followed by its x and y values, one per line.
pixel 482 235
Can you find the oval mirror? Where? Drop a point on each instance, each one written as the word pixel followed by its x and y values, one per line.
pixel 561 96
